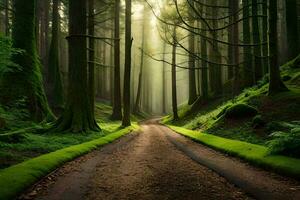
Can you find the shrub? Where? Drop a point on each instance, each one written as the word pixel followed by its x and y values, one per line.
pixel 258 121
pixel 240 111
pixel 286 143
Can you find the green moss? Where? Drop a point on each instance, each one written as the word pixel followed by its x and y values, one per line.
pixel 15 179
pixel 240 110
pixel 256 154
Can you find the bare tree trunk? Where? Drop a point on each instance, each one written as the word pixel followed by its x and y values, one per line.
pixel 117 106
pixel 276 84
pixel 127 72
pixel 174 79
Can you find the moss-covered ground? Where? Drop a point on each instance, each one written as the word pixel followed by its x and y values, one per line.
pixel 274 112
pixel 28 143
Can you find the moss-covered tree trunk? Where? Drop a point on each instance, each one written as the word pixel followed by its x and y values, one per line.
pixel 54 76
pixel 117 103
pixel 276 84
pixel 77 116
pixel 27 82
pixel 292 29
pixel 174 79
pixel 127 72
pixel 192 74
pixel 247 71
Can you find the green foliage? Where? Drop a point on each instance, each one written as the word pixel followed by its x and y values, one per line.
pixel 6 53
pixel 286 143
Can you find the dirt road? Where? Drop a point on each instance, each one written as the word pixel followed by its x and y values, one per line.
pixel 160 164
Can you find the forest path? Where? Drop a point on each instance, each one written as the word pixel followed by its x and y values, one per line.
pixel 157 163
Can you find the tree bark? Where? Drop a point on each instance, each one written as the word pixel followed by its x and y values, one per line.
pixel 192 75
pixel 174 79
pixel 117 106
pixel 248 76
pixel 56 91
pixel 256 40
pixel 127 72
pixel 292 29
pixel 276 85
pixel 77 116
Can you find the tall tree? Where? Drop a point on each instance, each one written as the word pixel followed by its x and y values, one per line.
pixel 56 91
pixel 164 95
pixel 236 49
pixel 265 48
pixel 174 79
pixel 91 63
pixel 192 75
pixel 137 106
pixel 256 40
pixel 276 84
pixel 127 72
pixel 27 82
pixel 77 116
pixel 248 64
pixel 6 18
pixel 204 65
pixel 117 104
pixel 292 29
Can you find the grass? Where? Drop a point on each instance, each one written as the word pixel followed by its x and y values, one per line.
pixel 255 154
pixel 32 143
pixel 15 179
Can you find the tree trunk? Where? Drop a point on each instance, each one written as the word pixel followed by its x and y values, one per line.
pixel 56 91
pixel 127 72
pixel 292 29
pixel 256 40
pixel 236 50
pixel 230 40
pixel 137 106
pixel 91 63
pixel 204 65
pixel 276 84
pixel 117 106
pixel 26 83
pixel 174 79
pixel 265 48
pixel 77 116
pixel 164 110
pixel 6 18
pixel 192 75
pixel 248 75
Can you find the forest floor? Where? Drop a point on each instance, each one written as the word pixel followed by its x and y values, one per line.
pixel 157 163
